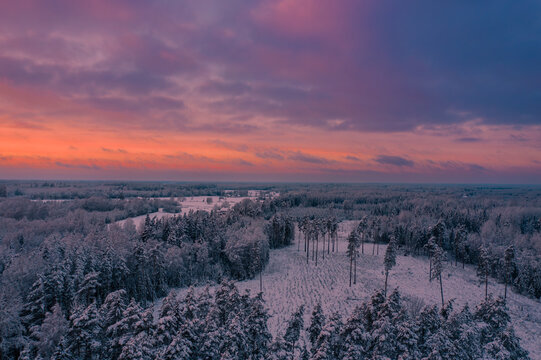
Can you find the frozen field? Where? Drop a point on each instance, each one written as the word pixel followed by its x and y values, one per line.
pixel 188 204
pixel 288 282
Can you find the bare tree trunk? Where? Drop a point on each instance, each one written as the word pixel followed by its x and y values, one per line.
pixel 377 249
pixel 386 277
pixel 350 269
pixel 374 247
pixel 355 273
pixel 317 246
pixel 313 250
pixel 299 242
pixel 329 244
pixel 362 244
pixel 307 249
pixel 323 249
pixel 430 272
pixel 441 289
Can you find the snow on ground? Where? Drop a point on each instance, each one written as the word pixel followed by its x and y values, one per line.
pixel 200 202
pixel 289 282
pixel 187 204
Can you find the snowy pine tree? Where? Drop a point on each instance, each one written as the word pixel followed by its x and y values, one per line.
pixel 328 344
pixel 389 260
pixel 437 259
pixel 509 257
pixel 317 323
pixel 84 339
pixel 293 330
pixel 483 268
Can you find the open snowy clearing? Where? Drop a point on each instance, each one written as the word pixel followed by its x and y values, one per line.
pixel 289 282
pixel 192 203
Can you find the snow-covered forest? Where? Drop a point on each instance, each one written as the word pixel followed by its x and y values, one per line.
pixel 80 280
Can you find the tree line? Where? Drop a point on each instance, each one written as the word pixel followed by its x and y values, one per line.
pixel 231 325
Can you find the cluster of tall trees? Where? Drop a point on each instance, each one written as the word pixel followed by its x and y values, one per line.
pixel 280 231
pixel 434 248
pixel 76 269
pixel 472 218
pixel 231 325
pixel 315 228
pixel 383 328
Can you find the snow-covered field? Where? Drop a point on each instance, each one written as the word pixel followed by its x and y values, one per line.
pixel 289 282
pixel 188 204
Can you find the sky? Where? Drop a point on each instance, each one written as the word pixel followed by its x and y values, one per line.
pixel 260 90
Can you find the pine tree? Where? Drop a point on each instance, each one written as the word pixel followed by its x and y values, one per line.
pixel 459 240
pixel 316 324
pixel 329 341
pixel 35 307
pixel 508 260
pixel 89 289
pixel 258 336
pixel 391 335
pixel 389 260
pixel 465 334
pixel 430 246
pixel 497 336
pixel 483 268
pixel 293 331
pixel 139 342
pixel 84 338
pixel 138 347
pixel 180 348
pixel 361 230
pixel 112 312
pixel 169 322
pixel 148 229
pixel 353 244
pixel 437 267
pixel 51 332
pixel 355 336
pixel 119 333
pixel 233 344
pixel 428 323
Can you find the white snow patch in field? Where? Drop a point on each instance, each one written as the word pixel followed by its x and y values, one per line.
pixel 190 203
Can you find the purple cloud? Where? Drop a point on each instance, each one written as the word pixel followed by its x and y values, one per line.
pixel 307 158
pixel 394 160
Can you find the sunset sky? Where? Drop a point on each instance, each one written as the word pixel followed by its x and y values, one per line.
pixel 291 90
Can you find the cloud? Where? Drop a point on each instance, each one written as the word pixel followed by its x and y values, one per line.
pixel 77 166
pixel 244 162
pixel 352 158
pixel 394 160
pixel 293 61
pixel 303 157
pixel 469 139
pixel 119 151
pixel 230 146
pixel 269 154
pixel 220 87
